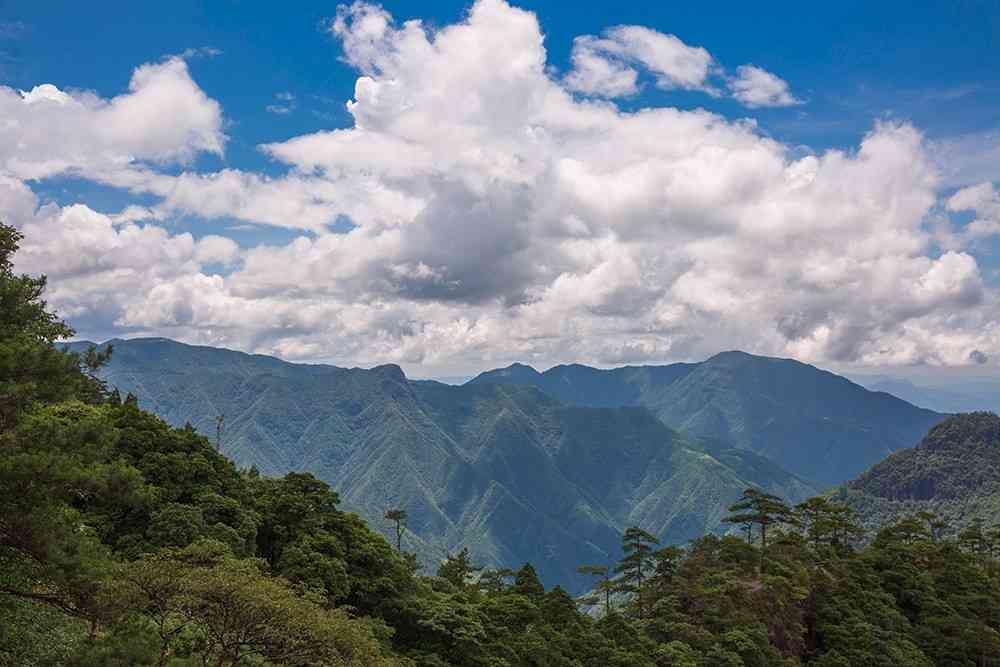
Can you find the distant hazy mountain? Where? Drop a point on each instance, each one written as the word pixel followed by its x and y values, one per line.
pixel 506 470
pixel 967 396
pixel 953 472
pixel 811 422
pixel 451 379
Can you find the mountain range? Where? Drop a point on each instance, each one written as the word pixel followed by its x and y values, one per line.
pixel 583 452
pixel 950 395
pixel 811 422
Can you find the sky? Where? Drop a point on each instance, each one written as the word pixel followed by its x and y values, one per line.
pixel 453 187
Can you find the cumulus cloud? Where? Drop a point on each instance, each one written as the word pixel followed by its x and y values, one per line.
pixel 982 197
pixel 164 117
pixel 214 249
pixel 755 87
pixel 606 66
pixel 494 216
pixel 595 73
pixel 984 201
pixel 99 268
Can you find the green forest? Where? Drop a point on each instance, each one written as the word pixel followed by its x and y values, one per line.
pixel 125 541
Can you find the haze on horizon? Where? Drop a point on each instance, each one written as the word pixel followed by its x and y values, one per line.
pixel 453 188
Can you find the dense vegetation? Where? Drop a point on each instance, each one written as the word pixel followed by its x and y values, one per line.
pixel 124 541
pixel 468 463
pixel 954 473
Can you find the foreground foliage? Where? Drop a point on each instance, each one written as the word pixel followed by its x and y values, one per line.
pixel 124 541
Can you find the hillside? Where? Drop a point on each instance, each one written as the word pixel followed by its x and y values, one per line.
pixel 468 463
pixel 953 472
pixel 811 422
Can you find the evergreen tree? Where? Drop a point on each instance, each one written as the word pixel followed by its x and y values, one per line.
pixel 637 548
pixel 494 580
pixel 458 568
pixel 605 585
pixel 827 523
pixel 527 583
pixel 975 540
pixel 398 517
pixel 32 368
pixel 761 509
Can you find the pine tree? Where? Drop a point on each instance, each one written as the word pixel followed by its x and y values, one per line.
pixel 32 368
pixel 398 516
pixel 761 509
pixel 827 523
pixel 605 585
pixel 975 540
pixel 458 568
pixel 494 581
pixel 637 545
pixel 526 582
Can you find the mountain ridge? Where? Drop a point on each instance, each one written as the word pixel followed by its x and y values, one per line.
pixel 763 404
pixel 468 463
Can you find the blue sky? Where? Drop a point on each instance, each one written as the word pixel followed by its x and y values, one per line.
pixel 936 64
pixel 277 74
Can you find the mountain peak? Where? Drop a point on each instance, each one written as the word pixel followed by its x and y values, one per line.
pixel 741 357
pixel 962 432
pixel 516 373
pixel 391 371
pixel 518 366
pixel 724 354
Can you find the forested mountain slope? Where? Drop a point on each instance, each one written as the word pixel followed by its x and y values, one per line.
pixel 811 422
pixel 505 470
pixel 954 473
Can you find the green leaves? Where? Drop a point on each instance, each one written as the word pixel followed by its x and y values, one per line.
pixel 202 601
pixel 458 569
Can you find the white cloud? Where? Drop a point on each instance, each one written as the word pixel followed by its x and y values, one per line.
pixel 974 198
pixel 98 268
pixel 496 217
pixel 594 73
pixel 755 87
pixel 605 66
pixel 984 201
pixel 200 52
pixel 285 103
pixel 968 158
pixel 164 117
pixel 214 249
pixel 675 64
